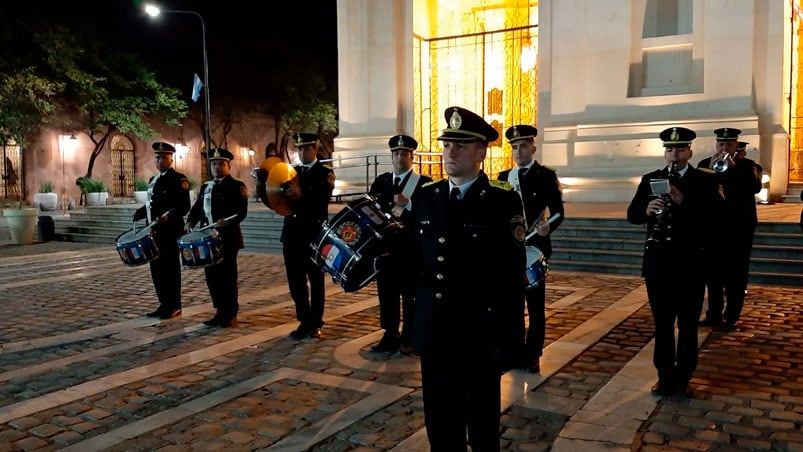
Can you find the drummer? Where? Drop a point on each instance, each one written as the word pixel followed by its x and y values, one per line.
pixel 540 191
pixel 396 192
pixel 167 202
pixel 221 198
pixel 301 226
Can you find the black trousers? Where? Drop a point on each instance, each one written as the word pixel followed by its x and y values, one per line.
pixel 672 299
pixel 536 332
pixel 221 279
pixel 166 272
pixel 396 287
pixel 729 269
pixel 461 396
pixel 309 300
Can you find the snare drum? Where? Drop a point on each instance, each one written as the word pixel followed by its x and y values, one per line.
pixel 200 249
pixel 137 247
pixel 537 267
pixel 347 247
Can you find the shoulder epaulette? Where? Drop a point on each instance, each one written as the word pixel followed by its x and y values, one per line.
pixel 707 170
pixel 504 185
pixel 429 183
pixel 549 168
pixel 329 165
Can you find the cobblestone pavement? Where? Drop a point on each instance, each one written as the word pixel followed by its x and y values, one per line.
pixel 82 369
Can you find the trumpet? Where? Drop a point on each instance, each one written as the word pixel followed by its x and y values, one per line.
pixel 660 230
pixel 722 163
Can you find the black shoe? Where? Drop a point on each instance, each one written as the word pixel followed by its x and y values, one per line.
pixel 300 333
pixel 226 323
pixel 406 349
pixel 710 322
pixel 534 367
pixel 686 390
pixel 315 333
pixel 388 344
pixel 214 321
pixel 662 388
pixel 170 313
pixel 727 325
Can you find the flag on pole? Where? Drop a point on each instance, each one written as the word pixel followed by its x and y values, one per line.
pixel 197 84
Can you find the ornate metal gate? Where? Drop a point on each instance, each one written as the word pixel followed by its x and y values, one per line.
pixel 122 167
pixel 10 169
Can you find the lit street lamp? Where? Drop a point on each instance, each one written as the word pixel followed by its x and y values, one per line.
pixel 154 11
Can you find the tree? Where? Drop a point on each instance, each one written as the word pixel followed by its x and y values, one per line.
pixel 26 102
pixel 105 90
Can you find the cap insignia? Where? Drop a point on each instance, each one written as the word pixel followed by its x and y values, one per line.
pixel 400 141
pixel 455 121
pixel 515 132
pixel 675 136
pixel 216 154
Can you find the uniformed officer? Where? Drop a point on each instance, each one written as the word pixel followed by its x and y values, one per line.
pixel 469 325
pixel 396 192
pixel 301 227
pixel 541 194
pixel 729 256
pixel 219 199
pixel 167 203
pixel 676 202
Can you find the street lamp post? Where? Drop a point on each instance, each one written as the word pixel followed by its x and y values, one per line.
pixel 154 11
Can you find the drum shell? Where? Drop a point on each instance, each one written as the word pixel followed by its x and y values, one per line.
pixel 200 249
pixel 137 247
pixel 537 267
pixel 348 245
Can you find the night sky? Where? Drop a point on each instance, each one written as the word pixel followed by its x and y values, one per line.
pixel 246 39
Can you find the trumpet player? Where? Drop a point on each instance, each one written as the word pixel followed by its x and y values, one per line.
pixel 729 257
pixel 673 266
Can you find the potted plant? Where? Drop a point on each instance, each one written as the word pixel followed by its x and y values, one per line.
pixel 140 190
pixel 46 198
pixel 96 192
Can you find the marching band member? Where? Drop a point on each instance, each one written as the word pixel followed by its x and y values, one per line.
pixel 469 325
pixel 167 203
pixel 396 193
pixel 221 198
pixel 678 226
pixel 729 256
pixel 301 226
pixel 541 193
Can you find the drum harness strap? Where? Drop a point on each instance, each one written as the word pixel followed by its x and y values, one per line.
pixel 150 195
pixel 407 191
pixel 208 200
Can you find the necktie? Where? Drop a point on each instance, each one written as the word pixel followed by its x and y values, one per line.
pixel 396 185
pixel 522 171
pixel 454 194
pixel 303 169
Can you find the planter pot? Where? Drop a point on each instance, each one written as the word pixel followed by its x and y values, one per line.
pixel 46 201
pixel 22 224
pixel 140 197
pixel 97 199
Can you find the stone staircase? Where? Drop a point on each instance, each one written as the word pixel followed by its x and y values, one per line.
pixel 597 245
pixel 615 246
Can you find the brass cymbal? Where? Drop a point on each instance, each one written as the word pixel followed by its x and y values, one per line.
pixel 282 187
pixel 268 163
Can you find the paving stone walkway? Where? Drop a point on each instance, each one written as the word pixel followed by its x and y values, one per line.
pixel 82 369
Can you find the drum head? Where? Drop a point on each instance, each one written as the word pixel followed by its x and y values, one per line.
pixel 280 198
pixel 534 254
pixel 127 237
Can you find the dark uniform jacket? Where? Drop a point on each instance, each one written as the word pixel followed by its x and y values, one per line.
pixel 170 193
pixel 688 226
pixel 471 272
pixel 229 197
pixel 308 213
pixel 382 189
pixel 740 184
pixel 539 189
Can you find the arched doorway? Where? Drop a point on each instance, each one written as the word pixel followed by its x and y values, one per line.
pixel 122 166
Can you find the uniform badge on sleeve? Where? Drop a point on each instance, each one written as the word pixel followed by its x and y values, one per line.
pixel 331 179
pixel 244 191
pixel 185 184
pixel 519 228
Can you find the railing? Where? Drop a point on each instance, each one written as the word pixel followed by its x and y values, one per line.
pixel 429 163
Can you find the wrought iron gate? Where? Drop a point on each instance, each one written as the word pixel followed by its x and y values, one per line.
pixel 11 171
pixel 122 167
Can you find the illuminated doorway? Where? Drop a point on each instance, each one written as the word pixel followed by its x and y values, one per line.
pixel 796 98
pixel 478 54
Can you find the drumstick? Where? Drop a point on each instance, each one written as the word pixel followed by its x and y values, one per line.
pixel 550 220
pixel 213 224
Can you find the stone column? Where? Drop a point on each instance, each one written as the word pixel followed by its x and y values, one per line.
pixel 375 86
